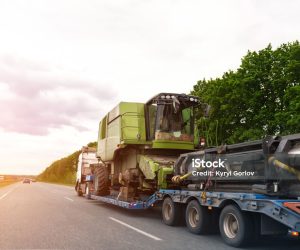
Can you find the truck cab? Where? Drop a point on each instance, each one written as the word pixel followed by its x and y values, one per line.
pixel 86 160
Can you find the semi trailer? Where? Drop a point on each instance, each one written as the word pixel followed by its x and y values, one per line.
pixel 148 154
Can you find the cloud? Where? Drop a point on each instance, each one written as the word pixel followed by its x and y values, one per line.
pixel 36 97
pixel 60 61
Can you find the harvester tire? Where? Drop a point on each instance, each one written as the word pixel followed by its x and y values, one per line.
pixel 101 181
pixel 171 212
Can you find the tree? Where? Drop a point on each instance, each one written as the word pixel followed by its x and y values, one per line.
pixel 261 97
pixel 61 171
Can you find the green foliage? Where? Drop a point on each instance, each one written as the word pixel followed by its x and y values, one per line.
pixel 92 144
pixel 63 170
pixel 260 98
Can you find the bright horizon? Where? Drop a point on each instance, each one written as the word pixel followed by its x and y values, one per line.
pixel 64 64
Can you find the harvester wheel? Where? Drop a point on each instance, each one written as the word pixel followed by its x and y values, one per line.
pixel 101 181
pixel 197 218
pixel 171 212
pixel 236 227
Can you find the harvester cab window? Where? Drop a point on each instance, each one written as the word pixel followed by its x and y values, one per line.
pixel 170 117
pixel 173 123
pixel 169 121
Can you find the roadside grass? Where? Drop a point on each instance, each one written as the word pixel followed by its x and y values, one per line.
pixel 6 183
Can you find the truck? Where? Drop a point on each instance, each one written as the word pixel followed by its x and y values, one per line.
pixel 149 154
pixel 86 160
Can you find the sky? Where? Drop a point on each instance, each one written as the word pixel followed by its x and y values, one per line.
pixel 65 63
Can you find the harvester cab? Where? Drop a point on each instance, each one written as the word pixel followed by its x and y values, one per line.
pixel 170 120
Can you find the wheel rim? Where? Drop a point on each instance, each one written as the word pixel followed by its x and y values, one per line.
pixel 193 217
pixel 168 211
pixel 231 225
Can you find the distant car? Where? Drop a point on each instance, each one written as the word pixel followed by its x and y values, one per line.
pixel 26 181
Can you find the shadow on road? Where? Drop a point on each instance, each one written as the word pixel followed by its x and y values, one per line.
pixel 270 242
pixel 153 212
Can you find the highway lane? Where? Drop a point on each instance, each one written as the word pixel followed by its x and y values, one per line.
pixel 47 216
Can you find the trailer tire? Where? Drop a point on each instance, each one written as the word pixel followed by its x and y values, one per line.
pixel 171 212
pixel 197 218
pixel 101 181
pixel 236 227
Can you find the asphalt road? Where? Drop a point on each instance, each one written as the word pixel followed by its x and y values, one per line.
pixel 47 216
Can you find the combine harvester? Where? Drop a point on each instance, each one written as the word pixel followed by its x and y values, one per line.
pixel 148 154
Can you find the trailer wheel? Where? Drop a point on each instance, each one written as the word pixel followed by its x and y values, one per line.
pixel 171 212
pixel 197 218
pixel 101 180
pixel 236 227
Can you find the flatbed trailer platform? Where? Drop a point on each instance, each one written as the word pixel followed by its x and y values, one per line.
pixel 125 204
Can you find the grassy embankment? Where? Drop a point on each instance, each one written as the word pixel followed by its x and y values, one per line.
pixel 62 171
pixel 6 183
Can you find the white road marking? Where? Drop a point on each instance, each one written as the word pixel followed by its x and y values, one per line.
pixel 68 198
pixel 4 195
pixel 135 229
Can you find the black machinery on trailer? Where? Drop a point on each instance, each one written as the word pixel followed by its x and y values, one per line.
pixel 270 166
pixel 246 190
